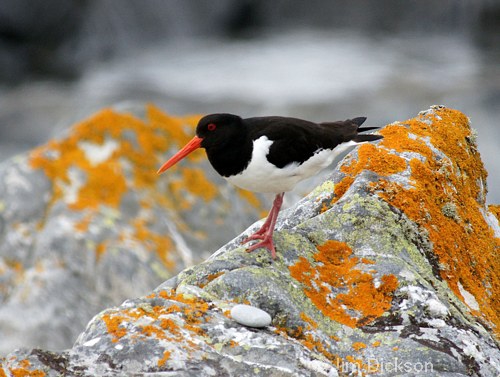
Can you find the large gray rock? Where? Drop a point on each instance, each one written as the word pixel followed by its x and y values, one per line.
pixel 389 267
pixel 85 223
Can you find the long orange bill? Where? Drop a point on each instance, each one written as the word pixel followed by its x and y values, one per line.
pixel 193 144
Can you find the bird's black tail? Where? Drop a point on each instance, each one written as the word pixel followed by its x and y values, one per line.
pixel 359 121
pixel 363 138
pixel 364 129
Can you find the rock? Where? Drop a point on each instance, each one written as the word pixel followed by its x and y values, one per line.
pixel 85 222
pixel 250 316
pixel 372 277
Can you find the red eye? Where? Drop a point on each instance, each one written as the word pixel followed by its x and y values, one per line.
pixel 212 127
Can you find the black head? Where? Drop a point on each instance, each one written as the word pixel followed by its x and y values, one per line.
pixel 219 129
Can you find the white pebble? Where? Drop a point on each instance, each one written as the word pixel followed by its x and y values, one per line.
pixel 250 316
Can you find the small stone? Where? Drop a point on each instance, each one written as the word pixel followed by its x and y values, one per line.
pixel 250 316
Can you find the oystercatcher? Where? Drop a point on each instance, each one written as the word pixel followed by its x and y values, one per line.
pixel 270 154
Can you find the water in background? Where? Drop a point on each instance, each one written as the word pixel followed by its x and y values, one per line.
pixel 284 68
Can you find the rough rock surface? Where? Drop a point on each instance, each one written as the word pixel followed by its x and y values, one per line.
pixel 85 222
pixel 389 267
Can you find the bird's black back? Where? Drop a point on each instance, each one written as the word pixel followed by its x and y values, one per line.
pixel 296 140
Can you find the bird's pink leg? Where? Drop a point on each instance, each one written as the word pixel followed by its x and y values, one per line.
pixel 259 234
pixel 265 233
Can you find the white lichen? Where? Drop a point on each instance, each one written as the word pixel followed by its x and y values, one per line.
pixel 98 153
pixel 469 299
pixel 449 209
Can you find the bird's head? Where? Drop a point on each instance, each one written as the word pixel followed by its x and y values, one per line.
pixel 212 131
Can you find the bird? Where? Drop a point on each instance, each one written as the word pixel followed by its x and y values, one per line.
pixel 270 154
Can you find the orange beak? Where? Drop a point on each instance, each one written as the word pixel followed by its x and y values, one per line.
pixel 193 144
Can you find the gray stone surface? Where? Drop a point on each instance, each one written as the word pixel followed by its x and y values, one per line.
pixel 62 259
pixel 360 285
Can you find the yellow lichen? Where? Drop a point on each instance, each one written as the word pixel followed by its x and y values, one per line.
pixel 333 272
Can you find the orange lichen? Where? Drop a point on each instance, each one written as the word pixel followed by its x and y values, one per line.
pixel 308 340
pixel 211 277
pixel 163 322
pixel 165 358
pixel 367 261
pixel 105 185
pixel 357 365
pixel 114 326
pixel 334 271
pixel 464 243
pixel 99 250
pixel 83 224
pixel 324 208
pixel 111 154
pixel 358 346
pixel 378 160
pixel 446 198
pixel 309 320
pixel 252 199
pixel 24 371
pixel 495 210
pixel 370 157
pixel 200 187
pixel 376 343
pixel 155 242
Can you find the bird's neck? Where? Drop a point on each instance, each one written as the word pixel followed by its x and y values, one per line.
pixel 231 158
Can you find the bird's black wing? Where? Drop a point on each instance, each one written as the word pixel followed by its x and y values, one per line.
pixel 297 140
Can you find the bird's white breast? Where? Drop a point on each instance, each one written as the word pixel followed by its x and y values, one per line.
pixel 262 176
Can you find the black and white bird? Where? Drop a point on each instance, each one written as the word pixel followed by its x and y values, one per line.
pixel 271 154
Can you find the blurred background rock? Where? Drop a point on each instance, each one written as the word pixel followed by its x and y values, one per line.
pixel 61 60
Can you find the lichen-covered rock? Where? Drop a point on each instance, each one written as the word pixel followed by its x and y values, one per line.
pixel 85 222
pixel 390 267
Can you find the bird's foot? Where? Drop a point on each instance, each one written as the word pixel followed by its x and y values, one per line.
pixel 262 233
pixel 267 242
pixel 265 233
pixel 256 236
